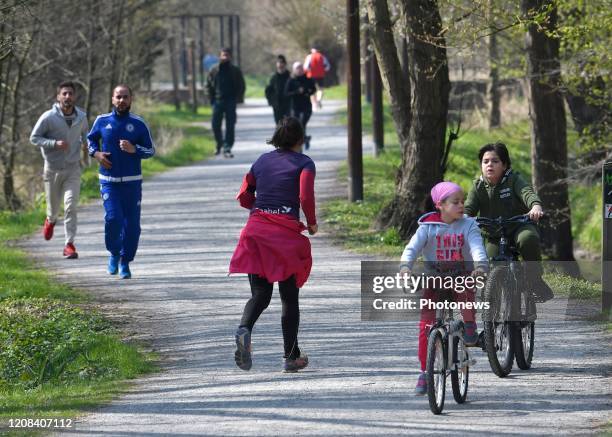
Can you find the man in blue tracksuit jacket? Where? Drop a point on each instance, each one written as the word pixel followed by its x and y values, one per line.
pixel 118 141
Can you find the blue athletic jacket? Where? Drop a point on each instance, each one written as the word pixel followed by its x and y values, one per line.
pixel 112 127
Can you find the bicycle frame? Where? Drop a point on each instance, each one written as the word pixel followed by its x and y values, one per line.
pixel 449 328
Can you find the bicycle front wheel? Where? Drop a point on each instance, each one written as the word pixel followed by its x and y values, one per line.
pixel 436 371
pixel 497 325
pixel 461 374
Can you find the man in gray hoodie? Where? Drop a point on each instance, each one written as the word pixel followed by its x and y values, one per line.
pixel 61 133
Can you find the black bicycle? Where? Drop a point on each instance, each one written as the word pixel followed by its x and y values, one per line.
pixel 509 322
pixel 446 354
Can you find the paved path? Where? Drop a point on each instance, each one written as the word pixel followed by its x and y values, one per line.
pixel 361 376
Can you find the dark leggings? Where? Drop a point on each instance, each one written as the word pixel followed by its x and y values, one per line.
pixel 261 291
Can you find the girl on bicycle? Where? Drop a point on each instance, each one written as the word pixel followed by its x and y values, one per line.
pixel 271 247
pixel 445 237
pixel 502 192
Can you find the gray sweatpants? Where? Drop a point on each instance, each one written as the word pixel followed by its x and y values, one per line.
pixel 67 184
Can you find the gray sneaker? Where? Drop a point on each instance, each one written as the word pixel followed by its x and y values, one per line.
pixel 243 348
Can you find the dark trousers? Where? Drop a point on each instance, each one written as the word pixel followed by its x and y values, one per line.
pixel 121 202
pixel 280 111
pixel 261 293
pixel 227 109
pixel 303 115
pixel 527 240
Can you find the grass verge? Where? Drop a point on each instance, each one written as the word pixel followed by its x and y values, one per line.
pixel 58 356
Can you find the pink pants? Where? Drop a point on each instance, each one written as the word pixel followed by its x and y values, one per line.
pixel 428 317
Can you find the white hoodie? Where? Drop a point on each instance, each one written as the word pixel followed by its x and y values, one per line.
pixel 441 242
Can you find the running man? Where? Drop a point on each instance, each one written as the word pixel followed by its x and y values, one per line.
pixel 316 65
pixel 119 141
pixel 61 133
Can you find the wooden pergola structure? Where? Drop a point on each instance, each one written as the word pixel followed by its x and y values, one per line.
pixel 190 59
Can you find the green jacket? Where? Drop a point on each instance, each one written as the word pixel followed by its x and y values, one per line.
pixel 512 196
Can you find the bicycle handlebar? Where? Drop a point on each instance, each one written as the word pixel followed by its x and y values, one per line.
pixel 501 222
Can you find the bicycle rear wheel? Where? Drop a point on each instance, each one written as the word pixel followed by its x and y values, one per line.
pixel 460 376
pixel 436 372
pixel 524 332
pixel 497 326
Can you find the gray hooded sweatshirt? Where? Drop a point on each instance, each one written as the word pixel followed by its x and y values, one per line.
pixel 440 242
pixel 52 126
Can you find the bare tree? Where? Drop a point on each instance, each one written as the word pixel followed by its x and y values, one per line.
pixel 421 126
pixel 33 60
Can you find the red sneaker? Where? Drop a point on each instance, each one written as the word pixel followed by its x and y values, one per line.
pixel 70 251
pixel 48 229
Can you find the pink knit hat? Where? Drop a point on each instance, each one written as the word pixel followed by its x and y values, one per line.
pixel 442 190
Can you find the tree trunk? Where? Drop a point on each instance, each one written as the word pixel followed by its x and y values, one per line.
pixel 115 47
pixel 91 72
pixel 548 130
pixel 422 128
pixel 493 92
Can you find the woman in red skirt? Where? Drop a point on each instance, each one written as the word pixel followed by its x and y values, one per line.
pixel 271 246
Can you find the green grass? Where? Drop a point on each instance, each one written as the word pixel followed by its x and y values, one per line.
pixel 571 287
pixel 336 92
pixel 255 85
pixel 58 356
pixel 20 278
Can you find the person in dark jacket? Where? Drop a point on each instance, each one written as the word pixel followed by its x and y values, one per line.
pixel 225 88
pixel 503 192
pixel 275 90
pixel 299 88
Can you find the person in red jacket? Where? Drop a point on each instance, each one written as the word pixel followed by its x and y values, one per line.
pixel 271 247
pixel 316 65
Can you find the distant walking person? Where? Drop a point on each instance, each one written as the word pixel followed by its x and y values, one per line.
pixel 299 88
pixel 275 91
pixel 61 133
pixel 271 246
pixel 316 65
pixel 119 141
pixel 225 87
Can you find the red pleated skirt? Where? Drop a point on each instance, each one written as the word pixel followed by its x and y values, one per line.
pixel 272 246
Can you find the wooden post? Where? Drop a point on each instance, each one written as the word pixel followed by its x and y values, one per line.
pixel 378 131
pixel 201 51
pixel 238 39
pixel 355 158
pixel 367 56
pixel 175 86
pixel 221 31
pixel 184 65
pixel 230 29
pixel 606 267
pixel 194 89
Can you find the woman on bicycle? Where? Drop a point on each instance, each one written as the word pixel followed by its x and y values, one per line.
pixel 444 238
pixel 502 192
pixel 271 247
